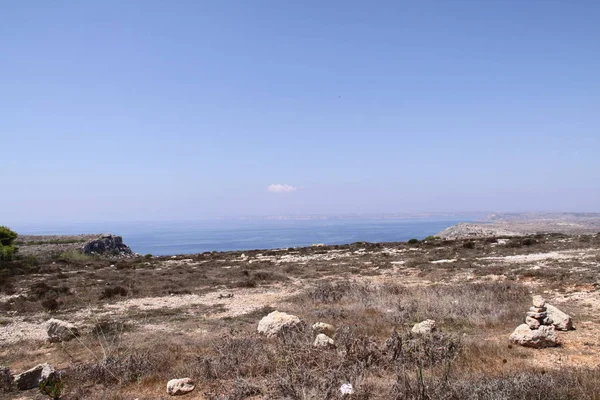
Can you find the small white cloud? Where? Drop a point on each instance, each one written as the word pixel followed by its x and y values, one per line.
pixel 279 188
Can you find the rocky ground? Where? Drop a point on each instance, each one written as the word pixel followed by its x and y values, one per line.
pixel 142 321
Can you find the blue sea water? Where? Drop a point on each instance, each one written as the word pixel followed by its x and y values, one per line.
pixel 169 238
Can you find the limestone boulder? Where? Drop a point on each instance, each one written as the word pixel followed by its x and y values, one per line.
pixel 532 323
pixel 60 331
pixel 278 322
pixel 322 340
pixel 560 320
pixel 539 301
pixel 543 336
pixel 33 377
pixel 424 328
pixel 178 387
pixel 346 389
pixel 322 327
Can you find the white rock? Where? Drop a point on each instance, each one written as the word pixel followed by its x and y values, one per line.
pixel 323 340
pixel 60 331
pixel 425 327
pixel 538 301
pixel 532 322
pixel 276 322
pixel 559 319
pixel 178 387
pixel 544 336
pixel 322 327
pixel 33 377
pixel 346 389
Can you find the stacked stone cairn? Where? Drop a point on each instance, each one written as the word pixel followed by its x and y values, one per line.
pixel 537 315
pixel 538 330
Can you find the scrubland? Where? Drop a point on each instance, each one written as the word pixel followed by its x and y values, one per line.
pixel 145 320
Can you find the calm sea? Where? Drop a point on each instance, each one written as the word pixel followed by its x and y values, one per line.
pixel 168 238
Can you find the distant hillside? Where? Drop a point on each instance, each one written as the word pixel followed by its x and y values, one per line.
pixel 518 224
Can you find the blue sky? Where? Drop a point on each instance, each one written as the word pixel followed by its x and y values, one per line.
pixel 157 110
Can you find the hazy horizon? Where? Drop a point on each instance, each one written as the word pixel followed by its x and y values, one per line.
pixel 468 216
pixel 146 110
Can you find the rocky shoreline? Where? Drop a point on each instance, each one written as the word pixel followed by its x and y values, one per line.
pixel 92 244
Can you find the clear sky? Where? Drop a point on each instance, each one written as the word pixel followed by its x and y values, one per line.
pixel 156 110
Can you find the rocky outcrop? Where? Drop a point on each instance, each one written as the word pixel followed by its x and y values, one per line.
pixel 107 245
pixel 474 231
pixel 278 322
pixel 322 327
pixel 60 331
pixel 33 377
pixel 544 336
pixel 323 340
pixel 560 320
pixel 424 328
pixel 178 387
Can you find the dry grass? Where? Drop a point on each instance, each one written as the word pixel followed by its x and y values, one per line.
pixel 405 366
pixel 364 295
pixel 393 306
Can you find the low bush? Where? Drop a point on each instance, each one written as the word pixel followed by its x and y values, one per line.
pixel 107 328
pixel 41 290
pixel 564 384
pixel 110 292
pixel 7 252
pixel 6 381
pixel 52 387
pixel 74 256
pixel 430 237
pixel 528 242
pixel 119 369
pixel 7 236
pixel 50 304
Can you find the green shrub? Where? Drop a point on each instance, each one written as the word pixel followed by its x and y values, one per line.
pixel 7 253
pixel 50 304
pixel 431 237
pixel 528 242
pixel 413 241
pixel 7 236
pixel 74 256
pixel 52 387
pixel 7 247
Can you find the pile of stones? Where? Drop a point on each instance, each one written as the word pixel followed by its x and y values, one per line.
pixel 541 323
pixel 538 314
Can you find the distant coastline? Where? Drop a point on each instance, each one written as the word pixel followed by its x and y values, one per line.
pixel 171 238
pixel 271 232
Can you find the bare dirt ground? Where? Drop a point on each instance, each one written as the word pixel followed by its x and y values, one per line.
pixel 188 315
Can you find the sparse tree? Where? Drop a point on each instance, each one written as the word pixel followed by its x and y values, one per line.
pixel 7 247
